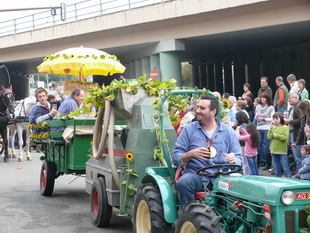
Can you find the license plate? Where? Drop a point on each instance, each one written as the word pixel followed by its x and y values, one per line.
pixel 302 196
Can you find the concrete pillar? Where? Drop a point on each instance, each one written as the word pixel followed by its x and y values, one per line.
pixel 126 74
pixel 132 73
pixel 145 63
pixel 155 63
pixel 138 68
pixel 170 66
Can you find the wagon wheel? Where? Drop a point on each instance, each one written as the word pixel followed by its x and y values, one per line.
pixel 100 209
pixel 47 178
pixel 148 213
pixel 198 217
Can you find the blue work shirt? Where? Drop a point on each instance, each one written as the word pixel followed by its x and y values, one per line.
pixel 224 140
pixel 68 106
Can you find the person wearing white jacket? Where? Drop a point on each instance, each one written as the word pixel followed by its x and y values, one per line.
pixel 263 115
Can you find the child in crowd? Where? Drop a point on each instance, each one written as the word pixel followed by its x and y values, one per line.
pixel 251 139
pixel 278 135
pixel 243 120
pixel 304 171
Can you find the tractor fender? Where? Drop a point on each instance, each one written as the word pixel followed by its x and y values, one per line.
pixel 168 199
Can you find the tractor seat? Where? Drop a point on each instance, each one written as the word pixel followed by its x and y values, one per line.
pixel 178 174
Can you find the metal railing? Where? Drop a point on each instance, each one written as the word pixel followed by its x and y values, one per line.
pixel 73 12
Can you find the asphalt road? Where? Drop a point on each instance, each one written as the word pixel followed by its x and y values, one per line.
pixel 23 209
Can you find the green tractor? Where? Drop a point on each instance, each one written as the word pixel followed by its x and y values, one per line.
pixel 126 176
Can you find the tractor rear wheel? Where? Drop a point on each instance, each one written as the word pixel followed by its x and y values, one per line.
pixel 198 217
pixel 47 177
pixel 100 209
pixel 148 216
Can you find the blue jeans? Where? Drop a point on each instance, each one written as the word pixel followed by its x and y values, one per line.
pixel 296 152
pixel 281 162
pixel 252 162
pixel 187 186
pixel 245 165
pixel 264 145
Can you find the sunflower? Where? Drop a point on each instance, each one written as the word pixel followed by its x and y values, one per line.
pixel 155 101
pixel 129 156
pixel 226 104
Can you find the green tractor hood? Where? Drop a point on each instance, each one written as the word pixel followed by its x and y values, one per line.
pixel 260 189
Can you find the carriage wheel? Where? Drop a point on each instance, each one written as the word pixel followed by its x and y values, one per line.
pixel 47 178
pixel 100 209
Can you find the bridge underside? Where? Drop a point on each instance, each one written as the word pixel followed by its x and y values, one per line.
pixel 224 53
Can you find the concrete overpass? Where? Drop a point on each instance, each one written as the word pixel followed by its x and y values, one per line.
pixel 226 42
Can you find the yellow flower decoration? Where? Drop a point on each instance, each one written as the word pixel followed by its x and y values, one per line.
pixel 158 134
pixel 226 104
pixel 129 156
pixel 155 101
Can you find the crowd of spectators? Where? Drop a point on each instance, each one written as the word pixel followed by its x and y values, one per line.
pixel 272 128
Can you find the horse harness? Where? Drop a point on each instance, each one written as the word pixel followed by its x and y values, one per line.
pixel 21 118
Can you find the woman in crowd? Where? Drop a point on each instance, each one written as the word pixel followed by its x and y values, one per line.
pixel 247 92
pixel 251 139
pixel 278 135
pixel 263 114
pixel 303 92
pixel 303 136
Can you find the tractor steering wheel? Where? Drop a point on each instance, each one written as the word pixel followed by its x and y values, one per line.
pixel 233 168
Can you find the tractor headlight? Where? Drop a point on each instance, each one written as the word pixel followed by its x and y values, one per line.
pixel 287 197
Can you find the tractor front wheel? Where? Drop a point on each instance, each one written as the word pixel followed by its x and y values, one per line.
pixel 148 216
pixel 47 178
pixel 100 209
pixel 198 217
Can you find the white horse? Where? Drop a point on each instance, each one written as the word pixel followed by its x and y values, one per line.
pixel 21 113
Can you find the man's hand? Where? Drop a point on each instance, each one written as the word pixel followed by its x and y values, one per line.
pixel 53 111
pixel 231 158
pixel 200 152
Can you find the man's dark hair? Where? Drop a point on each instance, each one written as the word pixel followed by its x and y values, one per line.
pixel 225 95
pixel 76 92
pixel 265 95
pixel 49 97
pixel 214 104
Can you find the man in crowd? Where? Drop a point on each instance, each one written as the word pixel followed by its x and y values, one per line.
pixel 293 122
pixel 264 87
pixel 291 79
pixel 202 143
pixel 280 98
